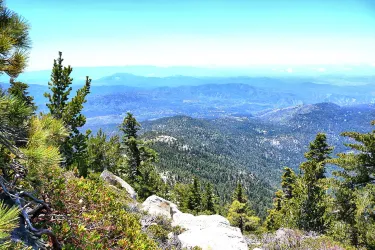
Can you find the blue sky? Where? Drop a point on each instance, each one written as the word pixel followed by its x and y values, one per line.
pixel 219 33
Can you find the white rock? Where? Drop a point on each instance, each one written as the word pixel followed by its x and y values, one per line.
pixel 156 205
pixel 117 181
pixel 209 232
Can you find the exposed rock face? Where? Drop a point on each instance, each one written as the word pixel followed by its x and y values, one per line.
pixel 118 182
pixel 206 231
pixel 158 206
pixel 209 232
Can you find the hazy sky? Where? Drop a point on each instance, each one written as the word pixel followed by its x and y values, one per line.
pixel 199 32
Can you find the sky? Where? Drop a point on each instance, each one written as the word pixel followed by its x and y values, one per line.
pixel 232 33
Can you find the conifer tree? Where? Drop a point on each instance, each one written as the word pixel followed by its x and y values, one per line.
pixel 277 216
pixel 288 180
pixel 274 217
pixel 194 200
pixel 69 111
pixel 239 193
pixel 20 90
pixel 209 199
pixel 130 127
pixel 319 152
pixel 141 172
pixel 14 42
pixel 355 187
pixel 239 214
pixel 313 195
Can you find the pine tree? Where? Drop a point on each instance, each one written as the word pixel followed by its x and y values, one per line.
pixel 209 199
pixel 319 152
pixel 60 86
pixel 69 112
pixel 141 172
pixel 239 193
pixel 313 195
pixel 355 187
pixel 194 200
pixel 14 116
pixel 96 152
pixel 239 214
pixel 288 180
pixel 19 90
pixel 279 214
pixel 14 42
pixel 274 217
pixel 130 127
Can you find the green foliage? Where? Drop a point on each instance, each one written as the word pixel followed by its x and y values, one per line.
pixel 103 154
pixel 209 200
pixel 313 194
pixel 129 127
pixel 275 216
pixel 288 180
pixel 19 90
pixel 8 220
pixel 354 191
pixel 194 197
pixel 240 215
pixel 319 151
pixel 42 153
pixel 239 194
pixel 95 217
pixel 149 182
pixel 69 111
pixel 303 204
pixel 14 42
pixel 159 230
pixel 60 87
pixel 139 169
pixel 216 152
pixel 178 195
pixel 14 115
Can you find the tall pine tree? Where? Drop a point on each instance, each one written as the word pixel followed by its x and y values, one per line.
pixel 355 192
pixel 67 109
pixel 209 201
pixel 194 200
pixel 313 195
pixel 130 127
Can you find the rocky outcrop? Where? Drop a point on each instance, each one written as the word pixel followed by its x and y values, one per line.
pixel 118 183
pixel 209 232
pixel 156 205
pixel 206 231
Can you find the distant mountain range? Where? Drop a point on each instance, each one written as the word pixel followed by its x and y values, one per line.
pixel 301 71
pixel 208 97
